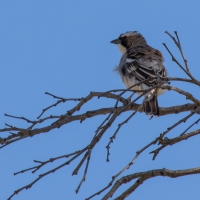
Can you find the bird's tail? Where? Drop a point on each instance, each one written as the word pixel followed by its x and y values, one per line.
pixel 151 105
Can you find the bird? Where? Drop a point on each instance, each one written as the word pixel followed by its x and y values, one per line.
pixel 141 63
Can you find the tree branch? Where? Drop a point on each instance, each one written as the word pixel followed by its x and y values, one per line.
pixel 143 176
pixel 122 105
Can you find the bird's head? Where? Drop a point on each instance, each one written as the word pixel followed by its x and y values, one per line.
pixel 128 39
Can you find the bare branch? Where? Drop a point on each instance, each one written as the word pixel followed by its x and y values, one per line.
pixel 119 126
pixel 85 171
pixel 61 100
pixel 167 141
pixel 158 139
pixel 24 133
pixel 186 94
pixel 176 61
pixel 143 176
pixel 161 138
pixel 178 44
pixel 196 122
pixel 124 169
pixel 43 163
pixel 121 105
pixel 43 175
pixel 178 79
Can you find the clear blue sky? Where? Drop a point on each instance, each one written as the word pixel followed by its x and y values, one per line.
pixel 63 47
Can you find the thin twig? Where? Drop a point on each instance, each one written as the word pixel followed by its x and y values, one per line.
pixel 186 94
pixel 61 100
pixel 124 169
pixel 196 122
pixel 43 163
pixel 178 44
pixel 115 133
pixel 43 175
pixel 167 141
pixel 180 48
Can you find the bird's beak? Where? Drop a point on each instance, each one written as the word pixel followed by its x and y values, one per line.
pixel 117 41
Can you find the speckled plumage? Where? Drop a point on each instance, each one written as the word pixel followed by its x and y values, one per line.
pixel 139 62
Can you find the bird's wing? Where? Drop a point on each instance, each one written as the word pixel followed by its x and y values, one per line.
pixel 145 63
